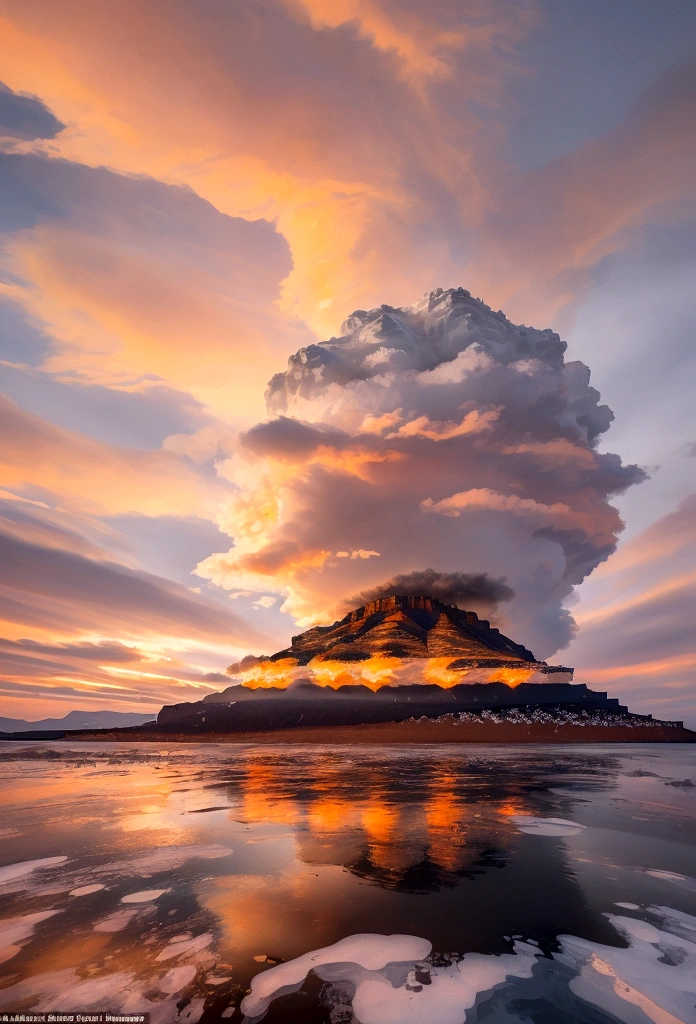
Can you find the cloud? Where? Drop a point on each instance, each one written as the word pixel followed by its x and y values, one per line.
pixel 81 624
pixel 557 223
pixel 129 277
pixel 463 590
pixel 369 177
pixel 636 619
pixel 385 180
pixel 26 117
pixel 36 677
pixel 89 476
pixel 52 583
pixel 521 496
pixel 493 501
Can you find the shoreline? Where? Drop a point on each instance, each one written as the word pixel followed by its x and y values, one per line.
pixel 406 733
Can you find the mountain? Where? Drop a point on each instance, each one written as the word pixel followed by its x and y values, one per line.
pixel 79 720
pixel 409 669
pixel 406 627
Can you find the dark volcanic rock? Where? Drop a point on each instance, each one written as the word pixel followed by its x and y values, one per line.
pixel 408 627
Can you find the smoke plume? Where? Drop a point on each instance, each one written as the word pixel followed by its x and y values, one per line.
pixel 437 435
pixel 477 592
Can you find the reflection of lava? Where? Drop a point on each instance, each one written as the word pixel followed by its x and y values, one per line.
pixel 417 834
pixel 376 672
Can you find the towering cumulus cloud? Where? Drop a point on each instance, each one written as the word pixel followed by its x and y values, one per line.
pixel 436 445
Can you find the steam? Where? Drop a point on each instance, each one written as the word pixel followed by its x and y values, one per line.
pixel 439 435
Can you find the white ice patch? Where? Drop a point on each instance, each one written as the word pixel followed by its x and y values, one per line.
pixel 177 978
pixel 163 858
pixel 654 979
pixel 25 867
pixel 14 930
pixel 546 826
pixel 64 990
pixel 145 896
pixel 656 974
pixel 667 876
pixel 451 992
pixel 683 881
pixel 85 890
pixel 115 922
pixel 188 946
pixel 371 952
pixel 384 971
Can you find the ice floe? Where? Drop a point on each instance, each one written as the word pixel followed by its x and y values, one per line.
pixel 653 978
pixel 367 951
pixel 115 922
pixel 25 867
pixel 85 890
pixel 145 896
pixel 546 826
pixel 656 974
pixel 14 930
pixel 177 978
pixel 188 946
pixel 683 881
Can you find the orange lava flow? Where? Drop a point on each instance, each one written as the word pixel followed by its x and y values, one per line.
pixel 511 676
pixel 377 672
pixel 271 673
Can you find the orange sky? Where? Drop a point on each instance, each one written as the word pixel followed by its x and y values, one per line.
pixel 196 191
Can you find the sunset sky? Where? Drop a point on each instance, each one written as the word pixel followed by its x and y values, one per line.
pixel 191 192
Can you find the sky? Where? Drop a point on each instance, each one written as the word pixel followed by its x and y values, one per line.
pixel 192 194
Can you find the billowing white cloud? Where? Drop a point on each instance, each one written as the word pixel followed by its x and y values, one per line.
pixel 442 437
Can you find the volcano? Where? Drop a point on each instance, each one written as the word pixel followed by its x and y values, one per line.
pixel 412 627
pixel 414 664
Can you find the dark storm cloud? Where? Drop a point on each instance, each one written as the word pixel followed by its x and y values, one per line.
pixel 26 117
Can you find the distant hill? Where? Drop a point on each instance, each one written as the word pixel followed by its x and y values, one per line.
pixel 79 720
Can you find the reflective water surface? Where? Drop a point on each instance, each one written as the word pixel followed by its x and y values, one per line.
pixel 204 882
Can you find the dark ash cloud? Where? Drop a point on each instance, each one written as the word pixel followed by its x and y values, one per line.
pixel 464 590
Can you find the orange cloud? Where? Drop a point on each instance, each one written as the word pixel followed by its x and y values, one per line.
pixel 329 165
pixel 636 619
pixel 372 178
pixel 96 478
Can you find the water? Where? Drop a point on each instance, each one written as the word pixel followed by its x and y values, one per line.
pixel 174 880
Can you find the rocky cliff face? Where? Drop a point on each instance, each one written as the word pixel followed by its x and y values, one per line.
pixel 409 627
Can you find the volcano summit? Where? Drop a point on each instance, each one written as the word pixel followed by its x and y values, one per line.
pixel 398 629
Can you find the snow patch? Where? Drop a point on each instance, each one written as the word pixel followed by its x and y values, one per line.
pixel 177 978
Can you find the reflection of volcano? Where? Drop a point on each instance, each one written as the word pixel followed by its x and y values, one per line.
pixel 427 875
pixel 407 826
